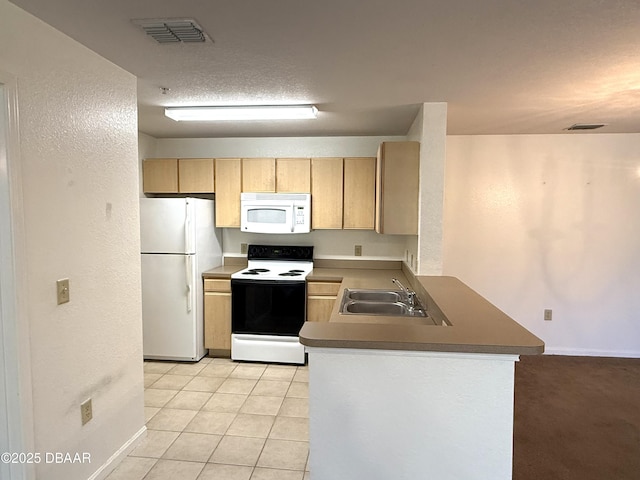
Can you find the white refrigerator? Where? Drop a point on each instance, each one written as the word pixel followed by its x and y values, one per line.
pixel 178 242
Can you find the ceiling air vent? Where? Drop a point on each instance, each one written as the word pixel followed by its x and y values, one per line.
pixel 586 126
pixel 173 30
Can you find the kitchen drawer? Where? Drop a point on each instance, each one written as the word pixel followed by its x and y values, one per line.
pixel 217 285
pixel 323 288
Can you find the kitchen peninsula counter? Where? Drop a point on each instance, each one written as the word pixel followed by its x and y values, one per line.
pixel 465 321
pixel 443 392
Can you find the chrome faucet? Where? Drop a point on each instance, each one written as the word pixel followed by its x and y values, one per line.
pixel 411 295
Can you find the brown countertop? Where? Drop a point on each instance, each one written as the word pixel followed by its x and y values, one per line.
pixel 474 325
pixel 224 271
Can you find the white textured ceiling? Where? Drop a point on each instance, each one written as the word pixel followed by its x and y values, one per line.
pixel 503 66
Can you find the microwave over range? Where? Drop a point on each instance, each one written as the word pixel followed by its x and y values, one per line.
pixel 275 212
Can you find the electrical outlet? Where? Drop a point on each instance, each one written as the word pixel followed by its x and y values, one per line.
pixel 548 315
pixel 62 289
pixel 86 412
pixel 357 251
pixel 243 248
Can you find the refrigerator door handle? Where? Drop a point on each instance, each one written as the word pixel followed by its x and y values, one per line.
pixel 188 263
pixel 187 227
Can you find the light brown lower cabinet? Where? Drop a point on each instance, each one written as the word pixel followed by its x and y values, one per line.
pixel 321 297
pixel 217 317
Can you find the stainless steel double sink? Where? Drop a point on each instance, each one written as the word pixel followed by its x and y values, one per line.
pixel 378 302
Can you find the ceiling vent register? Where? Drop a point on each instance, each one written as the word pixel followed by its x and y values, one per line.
pixel 173 30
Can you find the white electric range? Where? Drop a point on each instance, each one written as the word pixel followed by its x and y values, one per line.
pixel 268 304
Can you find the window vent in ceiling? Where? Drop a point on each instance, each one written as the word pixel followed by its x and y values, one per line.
pixel 586 126
pixel 173 30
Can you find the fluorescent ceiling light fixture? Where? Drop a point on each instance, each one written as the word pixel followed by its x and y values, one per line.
pixel 256 112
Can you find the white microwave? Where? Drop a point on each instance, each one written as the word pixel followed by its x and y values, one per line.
pixel 275 212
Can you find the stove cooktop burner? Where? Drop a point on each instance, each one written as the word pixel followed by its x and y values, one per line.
pixel 292 273
pixel 255 271
pixel 276 263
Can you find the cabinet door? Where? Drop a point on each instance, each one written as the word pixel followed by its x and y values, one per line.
pixel 359 193
pixel 228 182
pixel 160 175
pixel 258 174
pixel 217 322
pixel 195 175
pixel 326 193
pixel 397 187
pixel 319 308
pixel 293 175
pixel 321 298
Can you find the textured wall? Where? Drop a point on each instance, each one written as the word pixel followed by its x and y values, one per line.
pixel 550 221
pixel 430 129
pixel 146 149
pixel 378 415
pixel 78 141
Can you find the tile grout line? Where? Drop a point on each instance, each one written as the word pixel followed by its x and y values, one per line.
pixel 249 395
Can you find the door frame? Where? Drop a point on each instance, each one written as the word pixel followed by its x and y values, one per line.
pixel 16 406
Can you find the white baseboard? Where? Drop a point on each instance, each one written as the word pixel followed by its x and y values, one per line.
pixel 583 352
pixel 114 460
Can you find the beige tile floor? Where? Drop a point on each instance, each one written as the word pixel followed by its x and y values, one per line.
pixel 222 420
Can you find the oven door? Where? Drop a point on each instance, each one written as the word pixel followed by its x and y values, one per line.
pixel 272 218
pixel 266 307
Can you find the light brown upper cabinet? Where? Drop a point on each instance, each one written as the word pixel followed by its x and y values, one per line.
pixel 397 185
pixel 359 193
pixel 326 193
pixel 258 174
pixel 228 187
pixel 160 175
pixel 172 175
pixel 293 175
pixel 195 175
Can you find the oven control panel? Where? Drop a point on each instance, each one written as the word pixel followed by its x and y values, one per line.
pixel 280 252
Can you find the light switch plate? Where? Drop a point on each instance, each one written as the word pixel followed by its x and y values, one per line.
pixel 86 411
pixel 62 287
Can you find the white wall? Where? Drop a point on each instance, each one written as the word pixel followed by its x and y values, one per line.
pixel 328 243
pixel 381 414
pixel 430 129
pixel 550 221
pixel 270 147
pixel 146 149
pixel 79 171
